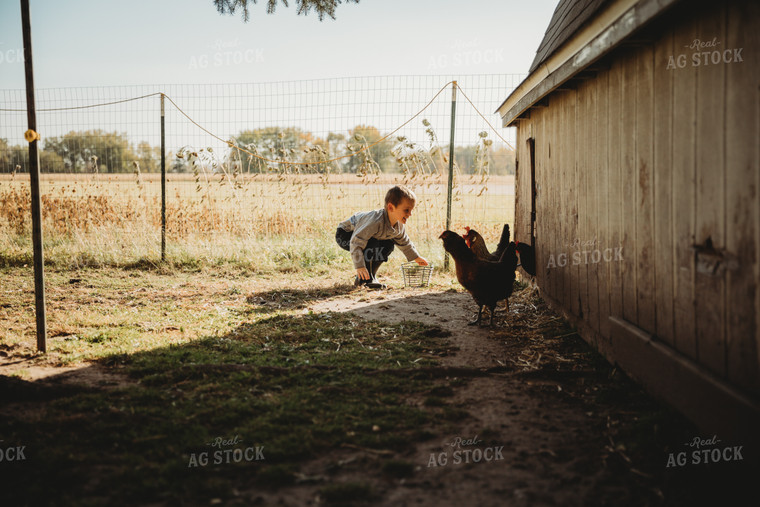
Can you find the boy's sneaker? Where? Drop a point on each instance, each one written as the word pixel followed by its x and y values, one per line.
pixel 374 284
pixel 371 283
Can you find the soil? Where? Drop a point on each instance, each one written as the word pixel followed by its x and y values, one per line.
pixel 544 439
pixel 535 412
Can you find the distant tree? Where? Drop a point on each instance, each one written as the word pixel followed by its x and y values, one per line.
pixel 93 151
pixel 464 157
pixel 16 159
pixel 149 157
pixel 501 159
pixel 336 147
pixel 321 7
pixel 367 135
pixel 4 155
pixel 177 164
pixel 273 143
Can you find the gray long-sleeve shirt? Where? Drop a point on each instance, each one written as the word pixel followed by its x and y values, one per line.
pixel 375 224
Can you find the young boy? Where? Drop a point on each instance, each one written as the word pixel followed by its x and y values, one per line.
pixel 371 235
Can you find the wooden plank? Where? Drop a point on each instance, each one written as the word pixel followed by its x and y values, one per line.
pixel 566 193
pixel 742 201
pixel 714 405
pixel 557 194
pixel 592 170
pixel 582 150
pixel 562 222
pixel 603 168
pixel 644 162
pixel 554 182
pixel 663 263
pixel 710 205
pixel 547 203
pixel 520 160
pixel 615 187
pixel 522 188
pixel 684 193
pixel 630 191
pixel 542 188
pixel 592 174
pixel 573 191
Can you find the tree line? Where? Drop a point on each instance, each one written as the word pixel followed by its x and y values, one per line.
pixel 86 151
pixel 99 151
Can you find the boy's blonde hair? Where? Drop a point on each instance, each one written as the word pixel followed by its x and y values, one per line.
pixel 397 194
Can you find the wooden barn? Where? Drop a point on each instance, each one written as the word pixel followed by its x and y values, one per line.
pixel 638 183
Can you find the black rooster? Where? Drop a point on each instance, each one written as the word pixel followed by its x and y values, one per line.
pixel 527 257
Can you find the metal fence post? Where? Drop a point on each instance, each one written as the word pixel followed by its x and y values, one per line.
pixel 451 167
pixel 163 182
pixel 33 137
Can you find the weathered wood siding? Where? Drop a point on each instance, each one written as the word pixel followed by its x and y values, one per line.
pixel 638 162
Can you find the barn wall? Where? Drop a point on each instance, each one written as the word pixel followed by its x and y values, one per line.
pixel 638 164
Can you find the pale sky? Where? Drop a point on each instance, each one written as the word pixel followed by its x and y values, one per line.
pixel 102 43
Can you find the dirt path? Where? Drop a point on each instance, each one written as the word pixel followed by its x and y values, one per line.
pixel 535 442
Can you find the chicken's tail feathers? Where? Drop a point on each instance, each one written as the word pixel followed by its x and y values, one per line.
pixel 509 256
pixel 504 241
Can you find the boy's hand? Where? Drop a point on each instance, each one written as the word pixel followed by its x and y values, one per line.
pixel 421 261
pixel 362 273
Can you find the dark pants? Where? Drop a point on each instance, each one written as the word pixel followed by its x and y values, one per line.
pixel 376 252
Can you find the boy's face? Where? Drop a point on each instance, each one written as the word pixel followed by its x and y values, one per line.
pixel 400 213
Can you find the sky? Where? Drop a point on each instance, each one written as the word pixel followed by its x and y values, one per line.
pixel 101 43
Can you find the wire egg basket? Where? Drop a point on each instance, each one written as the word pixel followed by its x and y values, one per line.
pixel 416 275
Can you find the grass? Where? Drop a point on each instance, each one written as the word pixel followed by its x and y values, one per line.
pixel 94 312
pixel 109 220
pixel 171 359
pixel 259 204
pixel 204 361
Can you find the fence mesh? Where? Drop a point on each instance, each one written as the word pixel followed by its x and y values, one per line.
pixel 100 156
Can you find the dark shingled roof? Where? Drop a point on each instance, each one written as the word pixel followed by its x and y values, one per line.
pixel 569 16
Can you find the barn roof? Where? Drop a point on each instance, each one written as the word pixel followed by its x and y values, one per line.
pixel 568 17
pixel 579 34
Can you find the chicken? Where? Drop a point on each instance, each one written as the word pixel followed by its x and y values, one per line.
pixel 476 243
pixel 487 281
pixel 527 257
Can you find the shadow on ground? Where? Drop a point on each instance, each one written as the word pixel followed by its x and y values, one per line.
pixel 329 407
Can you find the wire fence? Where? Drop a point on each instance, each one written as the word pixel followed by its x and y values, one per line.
pixel 264 159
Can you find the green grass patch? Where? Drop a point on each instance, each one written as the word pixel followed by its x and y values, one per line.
pixel 294 386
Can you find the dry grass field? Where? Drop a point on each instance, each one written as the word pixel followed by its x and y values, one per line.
pixel 115 219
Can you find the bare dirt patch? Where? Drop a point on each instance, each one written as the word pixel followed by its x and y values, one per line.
pixel 567 426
